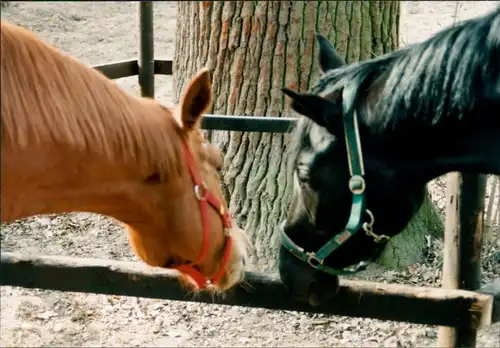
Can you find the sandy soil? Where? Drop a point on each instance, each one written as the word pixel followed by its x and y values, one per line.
pixel 99 33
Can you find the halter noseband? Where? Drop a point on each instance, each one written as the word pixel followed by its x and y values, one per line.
pixel 206 198
pixel 357 187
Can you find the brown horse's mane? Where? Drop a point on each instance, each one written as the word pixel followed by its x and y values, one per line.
pixel 49 98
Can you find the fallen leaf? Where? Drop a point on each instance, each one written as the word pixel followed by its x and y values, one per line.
pixel 46 315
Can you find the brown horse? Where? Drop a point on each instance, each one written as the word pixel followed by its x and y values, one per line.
pixel 72 140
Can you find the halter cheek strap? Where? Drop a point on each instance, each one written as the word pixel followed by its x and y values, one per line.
pixel 205 199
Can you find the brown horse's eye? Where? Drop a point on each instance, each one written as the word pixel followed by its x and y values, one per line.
pixel 153 179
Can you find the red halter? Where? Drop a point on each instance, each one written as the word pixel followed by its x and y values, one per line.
pixel 205 198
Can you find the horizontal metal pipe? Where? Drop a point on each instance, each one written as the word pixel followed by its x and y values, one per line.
pixel 248 123
pixel 126 68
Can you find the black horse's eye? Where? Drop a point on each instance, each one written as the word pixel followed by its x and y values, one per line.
pixel 303 172
pixel 303 176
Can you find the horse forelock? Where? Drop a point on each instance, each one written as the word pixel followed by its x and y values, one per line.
pixel 308 137
pixel 300 136
pixel 441 78
pixel 51 98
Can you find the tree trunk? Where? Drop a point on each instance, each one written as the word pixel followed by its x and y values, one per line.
pixel 254 49
pixel 407 248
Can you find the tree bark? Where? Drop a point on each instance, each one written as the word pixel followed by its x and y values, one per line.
pixel 255 48
pixel 407 247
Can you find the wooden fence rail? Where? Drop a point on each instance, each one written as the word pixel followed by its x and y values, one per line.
pixel 431 306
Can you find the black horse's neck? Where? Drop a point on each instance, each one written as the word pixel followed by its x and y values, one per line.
pixel 419 156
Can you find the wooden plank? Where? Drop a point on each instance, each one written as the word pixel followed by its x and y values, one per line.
pixel 462 246
pixel 355 299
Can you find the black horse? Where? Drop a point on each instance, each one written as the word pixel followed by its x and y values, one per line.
pixel 419 112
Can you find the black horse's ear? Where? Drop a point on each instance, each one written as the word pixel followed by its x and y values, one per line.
pixel 307 105
pixel 329 59
pixel 322 111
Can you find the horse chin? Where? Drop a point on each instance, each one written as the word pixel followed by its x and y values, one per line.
pixel 190 286
pixel 314 300
pixel 188 283
pixel 213 290
pixel 315 296
pixel 232 276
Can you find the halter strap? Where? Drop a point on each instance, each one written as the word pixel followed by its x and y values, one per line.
pixel 206 198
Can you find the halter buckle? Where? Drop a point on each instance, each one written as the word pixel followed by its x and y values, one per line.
pixel 313 260
pixel 357 184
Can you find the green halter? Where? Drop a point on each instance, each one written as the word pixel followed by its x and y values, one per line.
pixel 356 186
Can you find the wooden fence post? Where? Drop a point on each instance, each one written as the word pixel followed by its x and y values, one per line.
pixel 462 246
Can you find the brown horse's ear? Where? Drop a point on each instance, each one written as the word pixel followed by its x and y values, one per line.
pixel 197 98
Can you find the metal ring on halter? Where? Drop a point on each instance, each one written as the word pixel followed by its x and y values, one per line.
pixel 200 191
pixel 357 184
pixel 371 216
pixel 368 229
pixel 311 257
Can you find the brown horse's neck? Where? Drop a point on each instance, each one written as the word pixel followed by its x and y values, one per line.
pixel 72 140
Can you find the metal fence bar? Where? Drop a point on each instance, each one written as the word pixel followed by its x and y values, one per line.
pixel 163 67
pixel 248 123
pixel 428 306
pixel 117 70
pixel 146 49
pixel 126 68
pixel 261 124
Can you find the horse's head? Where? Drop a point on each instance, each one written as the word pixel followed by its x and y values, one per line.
pixel 77 142
pixel 322 204
pixel 194 232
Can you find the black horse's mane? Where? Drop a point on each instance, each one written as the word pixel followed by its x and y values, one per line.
pixel 440 78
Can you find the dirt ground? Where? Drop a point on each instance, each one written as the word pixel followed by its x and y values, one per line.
pixel 103 32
